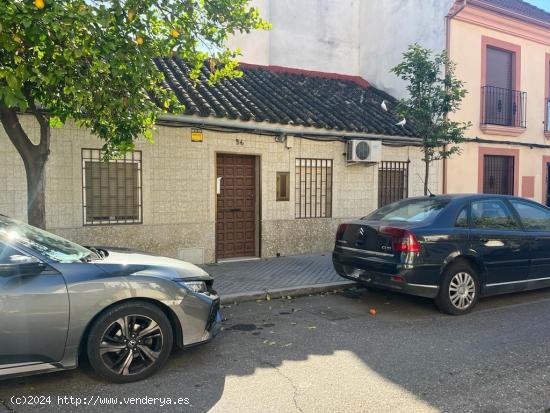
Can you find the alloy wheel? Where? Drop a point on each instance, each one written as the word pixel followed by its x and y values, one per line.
pixel 462 290
pixel 131 344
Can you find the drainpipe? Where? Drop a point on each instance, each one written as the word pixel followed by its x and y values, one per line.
pixel 448 19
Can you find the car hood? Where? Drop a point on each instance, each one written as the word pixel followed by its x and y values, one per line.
pixel 130 262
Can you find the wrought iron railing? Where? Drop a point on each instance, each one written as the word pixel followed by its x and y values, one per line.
pixel 504 107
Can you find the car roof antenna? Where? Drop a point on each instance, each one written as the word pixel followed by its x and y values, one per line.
pixel 428 188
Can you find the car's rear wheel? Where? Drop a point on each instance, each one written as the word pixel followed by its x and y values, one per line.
pixel 129 342
pixel 459 290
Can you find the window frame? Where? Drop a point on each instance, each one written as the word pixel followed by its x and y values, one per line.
pixel 508 207
pixel 397 166
pixel 280 176
pixel 139 188
pixel 515 49
pixel 466 208
pixel 485 150
pixel 528 203
pixel 329 190
pixel 504 165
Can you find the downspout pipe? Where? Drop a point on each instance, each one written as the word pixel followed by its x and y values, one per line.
pixel 452 13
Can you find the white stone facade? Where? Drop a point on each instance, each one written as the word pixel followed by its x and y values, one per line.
pixel 179 190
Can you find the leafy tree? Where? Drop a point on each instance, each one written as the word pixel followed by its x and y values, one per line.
pixel 91 61
pixel 434 93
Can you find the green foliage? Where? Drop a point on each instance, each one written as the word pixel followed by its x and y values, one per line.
pixel 434 93
pixel 92 61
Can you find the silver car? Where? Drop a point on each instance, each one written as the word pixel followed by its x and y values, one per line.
pixel 124 309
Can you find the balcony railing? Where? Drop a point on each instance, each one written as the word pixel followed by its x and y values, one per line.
pixel 504 107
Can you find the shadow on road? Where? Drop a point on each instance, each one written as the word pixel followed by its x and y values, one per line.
pixel 408 350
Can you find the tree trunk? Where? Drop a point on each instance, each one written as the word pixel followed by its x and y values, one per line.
pixel 36 191
pixel 34 158
pixel 426 177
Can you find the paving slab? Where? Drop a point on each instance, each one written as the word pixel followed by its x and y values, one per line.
pixel 281 276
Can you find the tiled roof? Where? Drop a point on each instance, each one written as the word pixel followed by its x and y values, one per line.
pixel 520 7
pixel 287 98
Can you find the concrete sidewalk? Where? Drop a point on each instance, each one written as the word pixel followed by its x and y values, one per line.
pixel 299 275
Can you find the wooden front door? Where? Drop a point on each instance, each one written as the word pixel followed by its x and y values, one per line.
pixel 236 214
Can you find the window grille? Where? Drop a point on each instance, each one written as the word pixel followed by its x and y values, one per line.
pixel 393 179
pixel 313 188
pixel 111 190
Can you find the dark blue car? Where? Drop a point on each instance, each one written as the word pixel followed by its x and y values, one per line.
pixel 452 248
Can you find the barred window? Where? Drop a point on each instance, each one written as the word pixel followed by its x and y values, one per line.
pixel 393 178
pixel 313 188
pixel 111 191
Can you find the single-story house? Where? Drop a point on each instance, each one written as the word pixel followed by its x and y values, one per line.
pixel 263 165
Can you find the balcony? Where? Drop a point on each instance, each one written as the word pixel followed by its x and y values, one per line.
pixel 503 111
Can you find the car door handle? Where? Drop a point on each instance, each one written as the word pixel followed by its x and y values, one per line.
pixel 492 242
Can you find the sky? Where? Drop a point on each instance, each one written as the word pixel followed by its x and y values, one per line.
pixel 543 4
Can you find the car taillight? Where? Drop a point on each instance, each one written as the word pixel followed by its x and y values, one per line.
pixel 341 230
pixel 403 240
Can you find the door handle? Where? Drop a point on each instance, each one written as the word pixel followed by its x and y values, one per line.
pixel 492 242
pixel 233 210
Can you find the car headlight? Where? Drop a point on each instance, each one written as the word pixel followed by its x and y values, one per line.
pixel 195 286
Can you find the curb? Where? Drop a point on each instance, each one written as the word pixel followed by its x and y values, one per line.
pixel 297 291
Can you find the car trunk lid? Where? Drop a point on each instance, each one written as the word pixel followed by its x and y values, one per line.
pixel 378 237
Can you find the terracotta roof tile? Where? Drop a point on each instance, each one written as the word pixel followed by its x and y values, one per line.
pixel 332 102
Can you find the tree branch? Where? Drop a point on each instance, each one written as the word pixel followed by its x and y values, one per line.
pixel 43 121
pixel 15 132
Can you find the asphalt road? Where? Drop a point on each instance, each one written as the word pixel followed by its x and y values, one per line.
pixel 327 353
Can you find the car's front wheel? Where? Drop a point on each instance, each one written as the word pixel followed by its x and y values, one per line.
pixel 129 342
pixel 459 290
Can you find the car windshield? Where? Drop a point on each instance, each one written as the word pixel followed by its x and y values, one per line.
pixel 409 210
pixel 43 242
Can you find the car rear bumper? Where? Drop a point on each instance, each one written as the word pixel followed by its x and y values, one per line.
pixel 408 281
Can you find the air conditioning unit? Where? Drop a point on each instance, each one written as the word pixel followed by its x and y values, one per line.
pixel 364 151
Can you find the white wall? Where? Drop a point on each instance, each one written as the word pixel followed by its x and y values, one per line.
pixel 356 37
pixel 307 34
pixel 388 27
pixel 255 45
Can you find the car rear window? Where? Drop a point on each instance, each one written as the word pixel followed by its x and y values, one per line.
pixel 409 210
